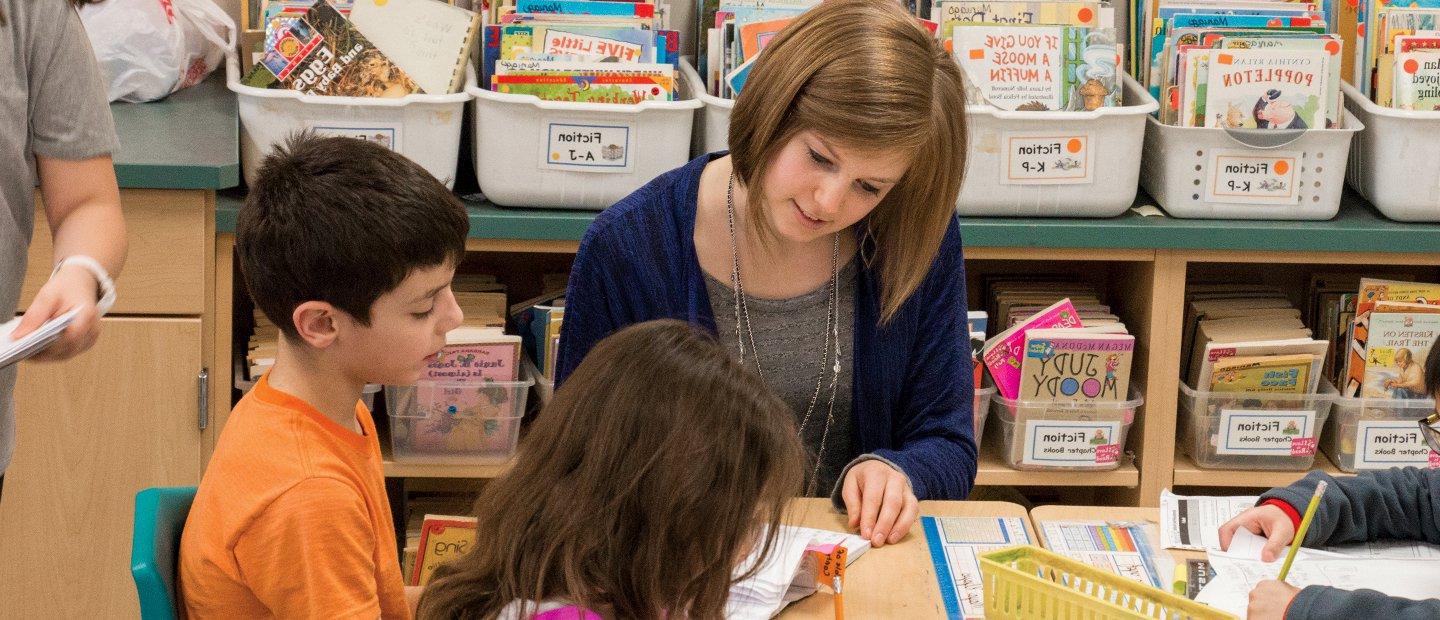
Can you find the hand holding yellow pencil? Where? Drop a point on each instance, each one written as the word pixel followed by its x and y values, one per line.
pixel 1304 527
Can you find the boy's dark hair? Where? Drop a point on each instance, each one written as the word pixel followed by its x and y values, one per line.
pixel 342 221
pixel 1432 371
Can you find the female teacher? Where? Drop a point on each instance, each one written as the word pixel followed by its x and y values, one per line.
pixel 824 252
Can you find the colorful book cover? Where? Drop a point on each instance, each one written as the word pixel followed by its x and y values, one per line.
pixel 442 539
pixel 1014 67
pixel 1075 367
pixel 1395 354
pixel 622 89
pixel 1216 352
pixel 578 42
pixel 1330 43
pixel 1020 13
pixel 1271 374
pixel 1373 291
pixel 586 7
pixel 754 36
pixel 487 358
pixel 1004 352
pixel 1268 88
pixel 1416 73
pixel 323 54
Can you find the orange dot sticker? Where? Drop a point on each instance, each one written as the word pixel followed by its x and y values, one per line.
pixel 554 157
pixel 1086 15
pixel 1411 66
pixel 1281 166
pixel 1073 145
pixel 978 54
pixel 1332 47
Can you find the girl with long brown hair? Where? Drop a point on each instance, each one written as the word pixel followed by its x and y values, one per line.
pixel 824 251
pixel 636 494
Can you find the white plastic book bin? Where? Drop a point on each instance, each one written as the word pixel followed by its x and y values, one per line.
pixel 713 132
pixel 1006 177
pixel 425 128
pixel 562 154
pixel 1178 170
pixel 1393 162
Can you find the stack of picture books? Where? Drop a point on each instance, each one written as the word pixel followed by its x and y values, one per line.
pixel 364 48
pixel 1034 56
pixel 1248 339
pixel 1053 352
pixel 1398 52
pixel 538 321
pixel 731 34
pixel 1245 64
pixel 1395 323
pixel 586 51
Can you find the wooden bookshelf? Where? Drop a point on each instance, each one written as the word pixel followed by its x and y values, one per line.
pixel 1142 263
pixel 1188 473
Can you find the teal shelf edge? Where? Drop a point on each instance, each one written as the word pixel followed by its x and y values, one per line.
pixel 189 140
pixel 1357 228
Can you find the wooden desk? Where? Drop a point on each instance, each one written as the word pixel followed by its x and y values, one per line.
pixel 894 581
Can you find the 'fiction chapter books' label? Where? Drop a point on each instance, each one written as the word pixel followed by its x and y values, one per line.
pixel 1250 177
pixel 1266 433
pixel 1067 443
pixel 588 147
pixel 1032 159
pixel 1386 444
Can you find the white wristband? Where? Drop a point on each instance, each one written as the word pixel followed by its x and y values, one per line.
pixel 107 286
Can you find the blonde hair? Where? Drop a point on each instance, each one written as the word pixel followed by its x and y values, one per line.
pixel 866 74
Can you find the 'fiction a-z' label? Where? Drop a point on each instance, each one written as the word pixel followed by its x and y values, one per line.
pixel 1048 159
pixel 588 147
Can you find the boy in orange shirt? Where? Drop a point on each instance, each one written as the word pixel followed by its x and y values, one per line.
pixel 349 249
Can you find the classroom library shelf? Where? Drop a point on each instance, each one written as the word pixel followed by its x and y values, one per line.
pixel 1142 261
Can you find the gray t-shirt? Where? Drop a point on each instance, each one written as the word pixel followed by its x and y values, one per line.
pixel 52 103
pixel 789 334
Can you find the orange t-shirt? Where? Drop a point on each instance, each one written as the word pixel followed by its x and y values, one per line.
pixel 291 519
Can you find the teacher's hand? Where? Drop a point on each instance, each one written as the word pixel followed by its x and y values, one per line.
pixel 879 501
pixel 71 287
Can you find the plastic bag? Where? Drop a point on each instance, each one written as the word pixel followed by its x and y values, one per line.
pixel 148 49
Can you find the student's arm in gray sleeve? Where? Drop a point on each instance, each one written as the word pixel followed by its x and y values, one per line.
pixel 1401 503
pixel 1316 602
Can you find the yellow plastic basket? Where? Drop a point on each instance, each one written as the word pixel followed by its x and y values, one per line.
pixel 1028 582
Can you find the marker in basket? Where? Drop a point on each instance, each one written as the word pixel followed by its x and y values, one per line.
pixel 1300 533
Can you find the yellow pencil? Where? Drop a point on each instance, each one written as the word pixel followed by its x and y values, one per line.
pixel 1300 533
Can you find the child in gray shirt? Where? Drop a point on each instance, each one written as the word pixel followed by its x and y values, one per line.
pixel 1400 503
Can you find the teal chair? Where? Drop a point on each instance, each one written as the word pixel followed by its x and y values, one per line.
pixel 155 550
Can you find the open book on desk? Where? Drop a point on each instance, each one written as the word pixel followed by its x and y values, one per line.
pixel 789 574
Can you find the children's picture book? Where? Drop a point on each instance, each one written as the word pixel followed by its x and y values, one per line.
pixel 1216 352
pixel 1015 68
pixel 1004 352
pixel 1062 365
pixel 1018 12
pixel 620 89
pixel 1268 89
pixel 429 39
pixel 1373 291
pixel 1416 72
pixel 475 354
pixel 1270 374
pixel 442 539
pixel 1395 354
pixel 324 54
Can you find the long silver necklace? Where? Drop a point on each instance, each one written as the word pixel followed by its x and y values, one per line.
pixel 832 332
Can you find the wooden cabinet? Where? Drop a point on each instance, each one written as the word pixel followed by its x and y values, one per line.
pixel 123 416
pixel 92 432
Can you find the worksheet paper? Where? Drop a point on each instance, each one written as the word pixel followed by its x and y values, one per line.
pixel 1236 576
pixel 955 547
pixel 1194 522
pixel 1121 548
pixel 788 574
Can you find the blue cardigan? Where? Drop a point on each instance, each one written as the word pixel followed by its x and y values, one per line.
pixel 913 391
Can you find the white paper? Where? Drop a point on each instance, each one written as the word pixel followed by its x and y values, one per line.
pixel 1390 550
pixel 1194 522
pixel 1121 548
pixel 12 351
pixel 785 577
pixel 962 540
pixel 1235 577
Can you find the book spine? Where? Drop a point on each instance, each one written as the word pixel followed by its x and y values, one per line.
pixel 490 56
